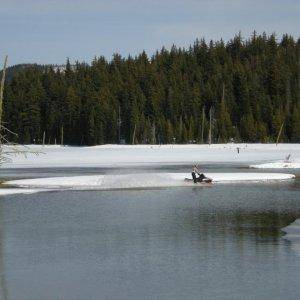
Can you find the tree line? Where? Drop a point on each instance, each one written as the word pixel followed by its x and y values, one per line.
pixel 243 90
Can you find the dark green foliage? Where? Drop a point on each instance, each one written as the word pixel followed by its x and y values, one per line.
pixel 252 87
pixel 296 125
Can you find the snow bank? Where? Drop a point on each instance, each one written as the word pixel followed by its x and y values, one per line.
pixel 12 191
pixel 277 165
pixel 131 155
pixel 149 180
pixel 293 235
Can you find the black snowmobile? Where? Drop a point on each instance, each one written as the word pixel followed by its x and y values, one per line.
pixel 202 179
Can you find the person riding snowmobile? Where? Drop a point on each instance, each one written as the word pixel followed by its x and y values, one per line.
pixel 201 176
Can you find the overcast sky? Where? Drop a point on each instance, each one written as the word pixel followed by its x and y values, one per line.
pixel 48 31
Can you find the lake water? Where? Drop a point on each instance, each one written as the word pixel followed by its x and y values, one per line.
pixel 220 242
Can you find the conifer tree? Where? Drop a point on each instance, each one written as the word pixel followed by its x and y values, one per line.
pixel 296 125
pixel 168 91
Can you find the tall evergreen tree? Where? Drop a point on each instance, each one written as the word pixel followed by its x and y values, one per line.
pixel 163 97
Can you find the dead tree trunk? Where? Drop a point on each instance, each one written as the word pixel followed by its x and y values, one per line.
pixel 153 134
pixel 44 137
pixel 119 125
pixel 209 135
pixel 133 137
pixel 279 133
pixel 62 136
pixel 1 94
pixel 202 127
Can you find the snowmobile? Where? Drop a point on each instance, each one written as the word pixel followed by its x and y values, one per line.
pixel 202 179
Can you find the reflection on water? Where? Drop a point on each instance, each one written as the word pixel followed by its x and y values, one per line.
pixel 3 289
pixel 292 235
pixel 223 242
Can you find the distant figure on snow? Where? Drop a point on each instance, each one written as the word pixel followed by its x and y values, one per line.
pixel 288 159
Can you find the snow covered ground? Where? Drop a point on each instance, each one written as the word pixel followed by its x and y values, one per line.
pixel 13 191
pixel 149 180
pixel 277 165
pixel 127 155
pixel 147 155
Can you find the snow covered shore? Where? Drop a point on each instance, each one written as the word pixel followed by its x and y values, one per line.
pixel 13 191
pixel 152 180
pixel 277 165
pixel 134 155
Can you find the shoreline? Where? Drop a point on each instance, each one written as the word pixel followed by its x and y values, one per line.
pixel 150 155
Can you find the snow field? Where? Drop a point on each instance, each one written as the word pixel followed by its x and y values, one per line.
pixel 135 155
pixel 146 180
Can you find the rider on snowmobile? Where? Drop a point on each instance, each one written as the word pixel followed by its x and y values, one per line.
pixel 201 175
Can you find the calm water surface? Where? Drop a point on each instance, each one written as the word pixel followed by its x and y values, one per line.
pixel 223 242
